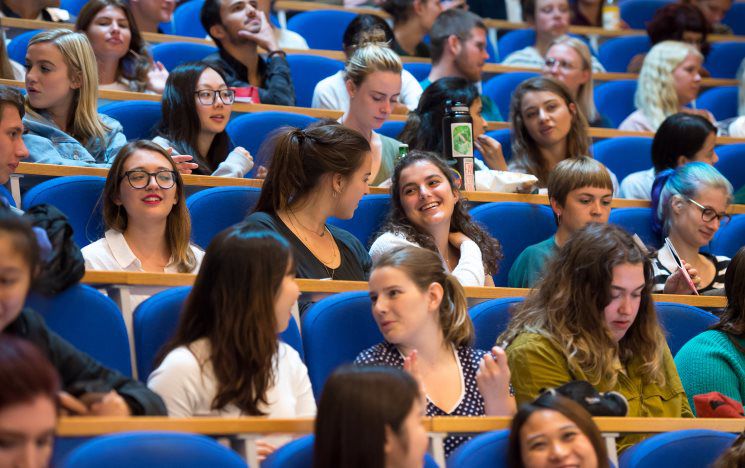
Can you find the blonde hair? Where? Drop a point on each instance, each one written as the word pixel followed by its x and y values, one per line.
pixel 84 123
pixel 371 54
pixel 655 92
pixel 574 173
pixel 585 100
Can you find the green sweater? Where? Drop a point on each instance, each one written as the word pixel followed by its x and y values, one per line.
pixel 711 363
pixel 528 267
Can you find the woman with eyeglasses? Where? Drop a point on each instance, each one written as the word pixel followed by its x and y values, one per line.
pixel 196 108
pixel 690 205
pixel 147 223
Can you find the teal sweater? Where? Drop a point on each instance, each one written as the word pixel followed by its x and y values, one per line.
pixel 711 363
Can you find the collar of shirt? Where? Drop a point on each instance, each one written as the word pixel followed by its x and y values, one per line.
pixel 123 254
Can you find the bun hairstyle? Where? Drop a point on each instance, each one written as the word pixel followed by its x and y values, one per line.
pixel 371 54
pixel 425 267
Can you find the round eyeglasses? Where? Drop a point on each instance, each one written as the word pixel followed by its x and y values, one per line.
pixel 709 214
pixel 563 64
pixel 206 97
pixel 139 179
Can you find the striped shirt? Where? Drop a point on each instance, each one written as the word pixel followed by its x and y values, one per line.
pixel 664 266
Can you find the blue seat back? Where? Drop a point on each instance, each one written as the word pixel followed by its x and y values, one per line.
pixel 335 330
pixel 420 70
pixel 73 6
pixel 392 128
pixel 250 131
pixel 490 318
pixel 682 322
pixel 487 450
pixel 724 59
pixel 5 193
pixel 500 89
pixel 186 20
pixel 18 45
pixel 368 217
pixel 691 447
pixel 156 320
pixel 730 164
pixel 516 226
pixel 636 220
pixel 513 41
pixel 307 71
pixel 322 29
pixel 616 53
pixel 615 100
pixel 218 208
pixel 720 101
pixel 139 118
pixel 624 155
pixel 636 13
pixel 735 18
pixel 78 198
pixel 90 321
pixel 173 54
pixel 730 237
pixel 150 449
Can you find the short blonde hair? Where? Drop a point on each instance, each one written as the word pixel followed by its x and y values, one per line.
pixel 585 100
pixel 371 54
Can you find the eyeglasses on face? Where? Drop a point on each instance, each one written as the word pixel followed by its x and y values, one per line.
pixel 708 214
pixel 206 97
pixel 563 64
pixel 139 179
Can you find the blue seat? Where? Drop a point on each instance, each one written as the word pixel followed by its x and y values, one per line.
pixel 500 88
pixel 516 225
pixel 322 29
pixel 687 448
pixel 724 59
pixel 139 118
pixel 5 193
pixel 73 6
pixel 624 155
pixel 514 40
pixel 420 70
pixel 730 164
pixel 485 450
pixel 615 100
pixel 250 131
pixel 730 237
pixel 637 221
pixel 735 18
pixel 368 218
pixel 78 198
pixel 392 128
pixel 156 319
pixel 18 45
pixel 335 330
pixel 720 101
pixel 616 53
pixel 218 208
pixel 186 20
pixel 682 322
pixel 151 449
pixel 504 137
pixel 90 321
pixel 173 54
pixel 636 13
pixel 307 71
pixel 490 319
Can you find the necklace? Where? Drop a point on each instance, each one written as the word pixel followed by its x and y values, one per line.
pixel 334 252
pixel 319 234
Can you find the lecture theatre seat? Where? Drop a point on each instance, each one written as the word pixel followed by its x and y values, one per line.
pixel 5 193
pixel 637 13
pixel 616 53
pixel 420 70
pixel 490 318
pixel 681 322
pixel 138 118
pixel 18 45
pixel 307 71
pixel 186 20
pixel 724 59
pixel 487 450
pixel 392 128
pixel 732 163
pixel 368 218
pixel 735 18
pixel 218 208
pixel 513 41
pixel 720 101
pixel 322 29
pixel 636 220
pixel 730 237
pixel 624 155
pixel 686 448
pixel 615 100
pixel 173 54
pixel 501 87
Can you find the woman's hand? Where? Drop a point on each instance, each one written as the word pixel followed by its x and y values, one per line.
pixel 456 239
pixel 245 153
pixel 412 367
pixel 108 404
pixel 261 172
pixel 264 449
pixel 156 78
pixel 491 150
pixel 677 283
pixel 183 162
pixel 493 381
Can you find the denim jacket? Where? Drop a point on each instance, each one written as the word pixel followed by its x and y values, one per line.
pixel 48 144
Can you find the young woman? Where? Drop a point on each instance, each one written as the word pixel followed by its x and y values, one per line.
pixel 569 60
pixel 330 168
pixel 123 60
pixel 370 417
pixel 593 319
pixel 669 80
pixel 421 312
pixel 681 138
pixel 61 97
pixel 689 205
pixel 144 210
pixel 555 431
pixel 196 108
pixel 412 20
pixel 423 129
pixel 428 211
pixel 373 81
pixel 19 262
pixel 714 361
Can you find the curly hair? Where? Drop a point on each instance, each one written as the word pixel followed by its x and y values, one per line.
pixel 672 20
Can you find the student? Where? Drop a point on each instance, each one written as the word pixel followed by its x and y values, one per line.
pixel 423 129
pixel 373 81
pixel 681 138
pixel 196 108
pixel 580 191
pixel 421 312
pixel 568 60
pixel 370 417
pixel 586 13
pixel 427 211
pixel 12 148
pixel 714 361
pixel 331 92
pixel 19 262
pixel 555 431
pixel 148 14
pixel 331 168
pixel 689 204
pixel 593 319
pixel 147 223
pixel 412 20
pixel 63 124
pixel 42 10
pixel 670 78
pixel 286 39
pixel 124 62
pixel 714 11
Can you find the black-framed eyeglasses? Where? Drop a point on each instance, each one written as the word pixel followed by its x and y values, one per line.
pixel 140 179
pixel 709 214
pixel 207 97
pixel 563 64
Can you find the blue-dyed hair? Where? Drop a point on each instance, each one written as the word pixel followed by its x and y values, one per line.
pixel 685 181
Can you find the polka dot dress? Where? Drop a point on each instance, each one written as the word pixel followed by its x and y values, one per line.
pixel 471 404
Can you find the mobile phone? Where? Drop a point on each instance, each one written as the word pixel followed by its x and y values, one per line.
pixel 678 262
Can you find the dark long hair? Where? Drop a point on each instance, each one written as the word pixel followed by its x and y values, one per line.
pixel 680 134
pixel 672 20
pixel 180 122
pixel 232 306
pixel 356 407
pixel 732 321
pixel 461 221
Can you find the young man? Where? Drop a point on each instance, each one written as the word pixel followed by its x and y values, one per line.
pixel 239 28
pixel 580 191
pixel 149 14
pixel 12 148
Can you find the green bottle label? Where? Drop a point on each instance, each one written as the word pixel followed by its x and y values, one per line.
pixel 462 140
